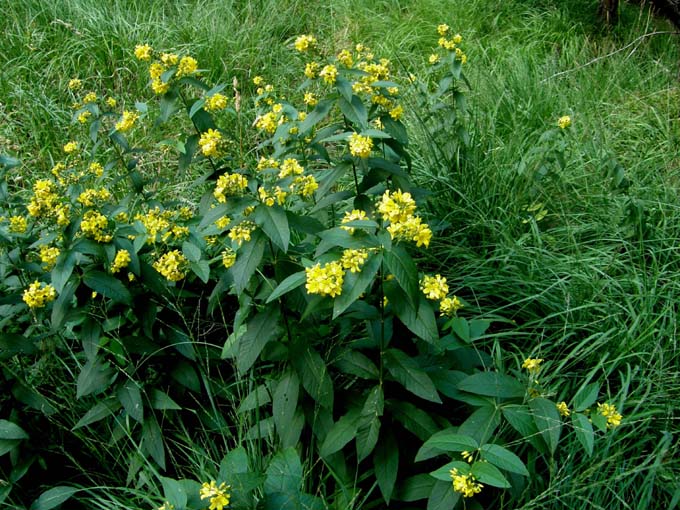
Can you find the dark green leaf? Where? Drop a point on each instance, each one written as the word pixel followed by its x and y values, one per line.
pixel 152 441
pixel 9 430
pixel 415 488
pixel 369 427
pixel 504 459
pixel 341 433
pixel 274 222
pixel 95 376
pixel 131 398
pixel 317 115
pixel 489 474
pixel 586 397
pixel 413 419
pixel 355 111
pixel 444 472
pixel 408 373
pixel 100 411
pixel 547 420
pixel 201 269
pixel 12 344
pixel 584 431
pixel 174 493
pixel 248 259
pixel 493 384
pixel 442 496
pixel 356 284
pixel 191 251
pixel 401 265
pixel 284 473
pixel 447 441
pixel 313 372
pixel 63 269
pixel 289 283
pixel 108 286
pixel 258 397
pixel 53 497
pixel 481 424
pixel 355 363
pixel 386 465
pixel 261 330
pixel 283 408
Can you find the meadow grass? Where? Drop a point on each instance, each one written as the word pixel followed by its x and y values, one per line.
pixel 593 287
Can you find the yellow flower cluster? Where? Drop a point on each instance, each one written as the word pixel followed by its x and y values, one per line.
pixel 532 365
pixel 304 43
pixel 94 224
pixel 75 84
pixel 187 65
pixel 91 197
pixel 449 306
pixel 289 167
pixel 17 224
pixel 127 121
pixel 613 416
pixel 229 185
pixel 329 73
pixel 269 199
pixel 96 169
pixel 267 122
pixel 265 163
pixel 48 256
pixel 70 147
pixel 450 44
pixel 143 52
pixel 353 215
pixel 218 495
pixel 216 102
pixel 44 199
pixel 563 409
pixel 37 296
pixel 325 280
pixel 399 209
pixel 228 258
pixel 360 146
pixel 84 116
pixel 564 122
pixel 120 261
pixel 465 484
pixel 353 259
pixel 434 287
pixel 345 58
pixel 155 221
pixel 90 97
pixel 305 185
pixel 310 99
pixel 312 70
pixel 172 265
pixel 211 143
pixel 242 232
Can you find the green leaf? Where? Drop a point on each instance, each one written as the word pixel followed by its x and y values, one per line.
pixel 12 344
pixel 547 420
pixel 481 424
pixel 444 472
pixel 131 398
pixel 478 327
pixel 9 430
pixel 316 115
pixel 586 397
pixel 95 377
pixel 355 363
pixel 599 421
pixel 161 401
pixel 283 408
pixel 415 488
pixel 408 373
pixel 191 251
pixel 100 411
pixel 248 259
pixel 197 105
pixel 442 496
pixel 274 223
pixel 289 283
pixel 504 459
pixel 493 384
pixel 354 110
pixel 446 441
pixel 413 419
pixel 489 474
pixel 461 328
pixel 386 465
pixel 341 433
pixel 152 441
pixel 7 445
pixel 63 305
pixel 258 397
pixel 63 269
pixel 401 265
pixel 174 493
pixel 420 320
pixel 53 497
pixel 356 284
pixel 201 269
pixel 234 462
pixel 284 473
pixel 584 431
pixel 108 286
pixel 261 330
pixel 369 427
pixel 313 372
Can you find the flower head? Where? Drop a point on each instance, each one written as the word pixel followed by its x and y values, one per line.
pixel 613 416
pixel 216 102
pixel 304 43
pixel 37 295
pixel 465 484
pixel 434 287
pixel 71 147
pixel 187 65
pixel 127 121
pixel 211 143
pixel 172 265
pixel 325 280
pixel 329 73
pixel 360 146
pixel 143 52
pixel 564 122
pixel 563 409
pixel 218 495
pixel 75 84
pixel 121 260
pixel 450 305
pixel 533 365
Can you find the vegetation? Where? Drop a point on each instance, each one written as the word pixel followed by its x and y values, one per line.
pixel 233 279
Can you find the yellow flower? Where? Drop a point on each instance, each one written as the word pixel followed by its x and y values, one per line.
pixel 345 58
pixel 450 305
pixel 305 185
pixel 353 215
pixel 465 484
pixel 210 143
pixel 267 122
pixel 229 185
pixel 48 256
pixel 121 260
pixel 612 415
pixel 564 122
pixel 312 70
pixel 159 87
pixel 533 365
pixel 563 408
pixel 434 287
pixel 169 59
pixel 329 73
pixel 443 29
pixel 143 52
pixel 216 102
pixel 325 280
pixel 37 296
pixel 397 112
pixel 75 84
pixel 17 224
pixel 71 147
pixel 228 258
pixel 290 166
pixel 218 495
pixel 82 118
pixel 222 222
pixel 127 121
pixel 96 168
pixel 172 265
pixel 353 259
pixel 304 43
pixel 156 70
pixel 360 146
pixel 90 97
pixel 93 225
pixel 258 80
pixel 111 102
pixel 242 232
pixel 433 59
pixel 187 65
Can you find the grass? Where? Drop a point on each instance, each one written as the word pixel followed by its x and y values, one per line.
pixel 593 288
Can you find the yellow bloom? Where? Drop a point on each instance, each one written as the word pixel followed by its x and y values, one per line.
pixel 564 122
pixel 222 222
pixel 71 147
pixel 329 73
pixel 258 80
pixel 434 287
pixel 533 365
pixel 397 112
pixel 443 29
pixel 37 296
pixel 325 280
pixel 290 166
pixel 267 122
pixel 84 116
pixel 305 185
pixel 156 70
pixel 433 59
pixel 17 224
pixel 242 232
pixel 360 146
pixel 127 121
pixel 465 484
pixel 121 260
pixel 90 97
pixel 169 59
pixel 96 168
pixel 450 305
pixel 143 52
pixel 172 265
pixel 93 225
pixel 75 84
pixel 229 185
pixel 345 58
pixel 563 408
pixel 159 87
pixel 312 70
pixel 210 143
pixel 353 259
pixel 354 214
pixel 187 65
pixel 304 43
pixel 216 102
pixel 48 256
pixel 612 415
pixel 218 495
pixel 228 258
pixel 111 102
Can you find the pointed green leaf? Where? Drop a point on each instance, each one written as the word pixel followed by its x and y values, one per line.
pixel 174 493
pixel 53 497
pixel 274 223
pixel 408 373
pixel 401 265
pixel 261 330
pixel 9 430
pixel 160 400
pixel 289 283
pixel 586 397
pixel 504 459
pixel 100 411
pixel 584 431
pixel 341 433
pixel 313 373
pixel 356 284
pixel 386 465
pixel 95 376
pixel 355 363
pixel 444 472
pixel 284 473
pixel 493 384
pixel 442 496
pixel 284 405
pixel 547 420
pixel 488 474
pixel 108 286
pixel 447 441
pixel 131 398
pixel 152 441
pixel 415 488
